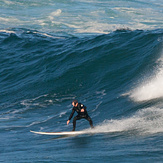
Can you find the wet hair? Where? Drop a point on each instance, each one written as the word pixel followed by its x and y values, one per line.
pixel 75 101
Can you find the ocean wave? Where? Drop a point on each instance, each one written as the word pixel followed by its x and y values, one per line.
pixel 39 73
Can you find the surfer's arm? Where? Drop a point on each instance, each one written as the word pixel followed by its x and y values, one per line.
pixel 68 122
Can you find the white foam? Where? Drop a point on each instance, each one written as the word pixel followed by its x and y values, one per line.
pixel 9 20
pixel 62 113
pixel 55 14
pixel 8 2
pixel 143 122
pixel 7 31
pixel 150 88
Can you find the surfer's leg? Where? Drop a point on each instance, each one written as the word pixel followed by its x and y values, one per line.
pixel 90 121
pixel 74 122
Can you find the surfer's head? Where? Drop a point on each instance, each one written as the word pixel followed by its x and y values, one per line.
pixel 74 102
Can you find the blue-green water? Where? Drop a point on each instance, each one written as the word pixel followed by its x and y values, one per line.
pixel 55 51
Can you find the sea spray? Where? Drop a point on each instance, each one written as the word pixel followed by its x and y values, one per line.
pixel 150 88
pixel 144 122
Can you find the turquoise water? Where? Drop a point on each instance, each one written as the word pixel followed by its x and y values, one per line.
pixel 106 54
pixel 76 17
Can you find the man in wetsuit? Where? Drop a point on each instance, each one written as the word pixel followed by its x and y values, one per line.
pixel 82 113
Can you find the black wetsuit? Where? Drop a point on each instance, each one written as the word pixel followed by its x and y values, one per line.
pixel 80 115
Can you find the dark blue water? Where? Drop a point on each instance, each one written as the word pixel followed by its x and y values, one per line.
pixel 107 54
pixel 118 76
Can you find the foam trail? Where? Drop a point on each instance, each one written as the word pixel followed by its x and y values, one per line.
pixel 146 121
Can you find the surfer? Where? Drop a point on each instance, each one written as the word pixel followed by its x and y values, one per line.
pixel 82 113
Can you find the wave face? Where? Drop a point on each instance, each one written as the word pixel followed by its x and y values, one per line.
pixel 118 76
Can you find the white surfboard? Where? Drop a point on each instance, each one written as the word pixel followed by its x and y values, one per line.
pixel 63 133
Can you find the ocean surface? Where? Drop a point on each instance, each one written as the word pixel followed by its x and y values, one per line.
pixel 107 54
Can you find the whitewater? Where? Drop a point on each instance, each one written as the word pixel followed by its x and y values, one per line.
pixel 107 54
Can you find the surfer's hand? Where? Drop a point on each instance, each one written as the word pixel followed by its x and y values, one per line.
pixel 68 122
